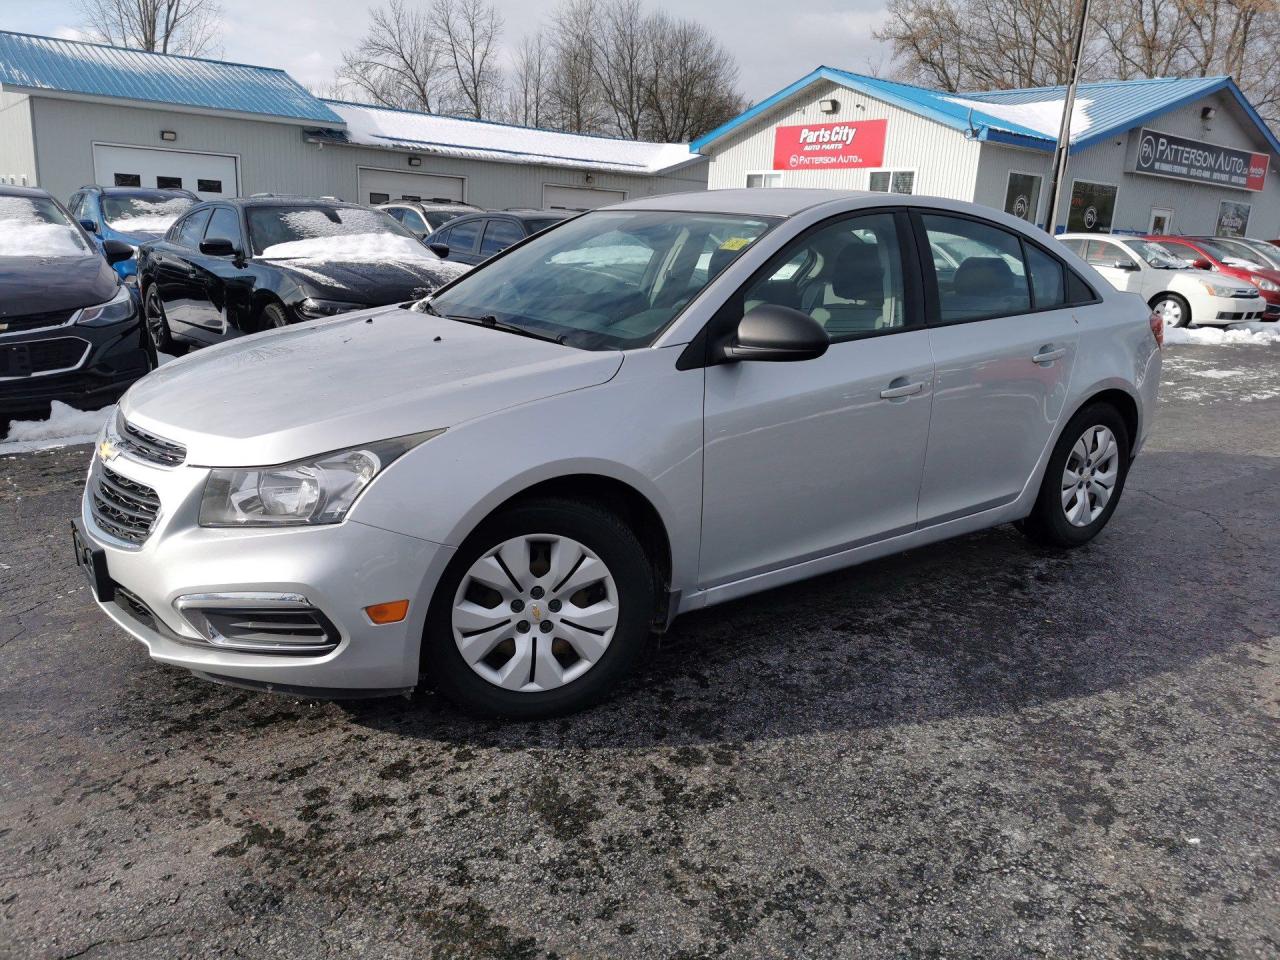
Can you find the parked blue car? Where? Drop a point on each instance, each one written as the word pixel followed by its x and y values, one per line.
pixel 132 214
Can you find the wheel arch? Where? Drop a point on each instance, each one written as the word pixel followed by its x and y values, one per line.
pixel 259 302
pixel 1125 403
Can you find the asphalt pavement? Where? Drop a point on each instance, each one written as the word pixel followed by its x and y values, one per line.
pixel 979 749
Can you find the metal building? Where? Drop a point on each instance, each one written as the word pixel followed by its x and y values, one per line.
pixel 1163 156
pixel 74 113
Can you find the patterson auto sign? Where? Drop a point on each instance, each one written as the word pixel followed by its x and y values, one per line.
pixel 829 146
pixel 1164 155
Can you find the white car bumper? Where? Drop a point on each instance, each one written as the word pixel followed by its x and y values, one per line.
pixel 1224 310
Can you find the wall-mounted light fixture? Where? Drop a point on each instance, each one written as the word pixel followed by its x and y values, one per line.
pixel 415 161
pixel 1208 113
pixel 169 135
pixel 828 106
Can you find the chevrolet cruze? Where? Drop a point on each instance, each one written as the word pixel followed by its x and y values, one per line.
pixel 506 488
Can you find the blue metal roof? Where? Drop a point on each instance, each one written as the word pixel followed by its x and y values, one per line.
pixel 72 66
pixel 1103 109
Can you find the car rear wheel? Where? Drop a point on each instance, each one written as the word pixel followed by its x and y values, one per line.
pixel 1173 309
pixel 157 325
pixel 541 612
pixel 1084 479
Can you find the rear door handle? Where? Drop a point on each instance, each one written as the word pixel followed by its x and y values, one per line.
pixel 1048 355
pixel 904 390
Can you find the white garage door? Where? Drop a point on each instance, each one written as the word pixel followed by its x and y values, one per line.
pixel 208 175
pixel 382 186
pixel 578 198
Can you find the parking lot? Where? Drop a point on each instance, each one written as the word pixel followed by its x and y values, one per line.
pixel 978 749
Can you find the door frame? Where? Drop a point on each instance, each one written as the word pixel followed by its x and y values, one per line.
pixel 1168 212
pixel 234 157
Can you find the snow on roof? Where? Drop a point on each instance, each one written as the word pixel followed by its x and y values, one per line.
pixel 72 66
pixel 1043 116
pixel 503 143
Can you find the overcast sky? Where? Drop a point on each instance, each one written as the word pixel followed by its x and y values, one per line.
pixel 774 42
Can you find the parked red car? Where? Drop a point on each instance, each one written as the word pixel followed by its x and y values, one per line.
pixel 1229 263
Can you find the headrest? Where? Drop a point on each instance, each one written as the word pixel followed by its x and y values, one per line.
pixel 979 276
pixel 857 274
pixel 720 258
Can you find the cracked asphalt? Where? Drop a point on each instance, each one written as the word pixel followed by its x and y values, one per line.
pixel 980 749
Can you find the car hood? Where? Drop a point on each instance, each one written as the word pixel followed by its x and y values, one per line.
pixel 375 282
pixel 48 284
pixel 286 394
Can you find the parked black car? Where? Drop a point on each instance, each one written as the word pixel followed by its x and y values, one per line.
pixel 476 237
pixel 231 267
pixel 424 217
pixel 69 328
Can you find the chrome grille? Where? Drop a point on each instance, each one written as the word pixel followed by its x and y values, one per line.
pixel 149 447
pixel 122 507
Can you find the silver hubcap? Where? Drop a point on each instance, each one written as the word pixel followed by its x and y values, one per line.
pixel 1170 311
pixel 1089 477
pixel 535 613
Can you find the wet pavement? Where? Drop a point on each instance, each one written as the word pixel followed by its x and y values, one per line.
pixel 979 749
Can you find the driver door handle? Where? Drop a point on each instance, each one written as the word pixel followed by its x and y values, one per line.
pixel 1048 355
pixel 905 390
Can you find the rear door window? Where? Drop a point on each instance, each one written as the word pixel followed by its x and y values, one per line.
pixel 1048 286
pixel 463 236
pixel 498 235
pixel 978 268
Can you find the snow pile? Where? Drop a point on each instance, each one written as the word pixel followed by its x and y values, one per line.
pixel 474 139
pixel 24 233
pixel 349 248
pixel 1253 332
pixel 1043 116
pixel 66 425
pixel 148 216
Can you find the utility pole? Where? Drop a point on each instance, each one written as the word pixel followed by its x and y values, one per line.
pixel 1059 173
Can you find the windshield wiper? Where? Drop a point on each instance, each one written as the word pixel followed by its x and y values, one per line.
pixel 493 323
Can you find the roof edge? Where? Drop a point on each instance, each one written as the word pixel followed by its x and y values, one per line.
pixel 170 107
pixel 150 53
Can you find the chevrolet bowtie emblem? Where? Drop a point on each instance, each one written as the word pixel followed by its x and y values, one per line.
pixel 107 451
pixel 3 327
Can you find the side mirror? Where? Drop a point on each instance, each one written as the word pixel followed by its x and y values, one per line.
pixel 220 247
pixel 777 333
pixel 89 225
pixel 1202 263
pixel 441 250
pixel 1125 265
pixel 116 251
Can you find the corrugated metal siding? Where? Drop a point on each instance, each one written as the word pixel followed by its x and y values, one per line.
pixel 945 162
pixel 275 157
pixel 17 144
pixel 997 162
pixel 45 63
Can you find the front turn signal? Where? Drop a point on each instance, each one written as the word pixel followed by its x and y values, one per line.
pixel 393 611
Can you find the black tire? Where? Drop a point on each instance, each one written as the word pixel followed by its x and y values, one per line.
pixel 1048 523
pixel 274 316
pixel 156 326
pixel 613 542
pixel 1184 308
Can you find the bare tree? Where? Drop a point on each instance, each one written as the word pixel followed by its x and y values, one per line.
pixel 401 62
pixel 572 89
pixel 526 102
pixel 692 81
pixel 624 61
pixel 469 31
pixel 189 27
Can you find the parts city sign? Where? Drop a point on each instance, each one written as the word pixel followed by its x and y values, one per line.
pixel 829 146
pixel 1164 155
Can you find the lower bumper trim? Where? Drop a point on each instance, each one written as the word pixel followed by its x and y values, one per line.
pixel 297 690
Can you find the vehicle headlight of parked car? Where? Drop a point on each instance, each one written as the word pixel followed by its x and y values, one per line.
pixel 313 491
pixel 1216 289
pixel 313 308
pixel 1262 283
pixel 117 309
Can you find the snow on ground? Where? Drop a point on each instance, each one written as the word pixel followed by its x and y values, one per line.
pixel 1189 378
pixel 1253 332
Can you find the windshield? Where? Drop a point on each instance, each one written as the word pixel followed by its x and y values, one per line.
pixel 1156 254
pixel 1240 250
pixel 283 232
pixel 607 280
pixel 35 227
pixel 143 212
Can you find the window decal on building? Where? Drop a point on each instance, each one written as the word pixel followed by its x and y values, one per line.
pixel 1233 219
pixel 1022 196
pixel 1092 207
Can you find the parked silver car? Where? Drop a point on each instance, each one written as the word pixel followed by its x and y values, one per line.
pixel 649 409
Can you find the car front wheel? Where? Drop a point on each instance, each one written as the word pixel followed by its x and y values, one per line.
pixel 543 610
pixel 1172 309
pixel 157 325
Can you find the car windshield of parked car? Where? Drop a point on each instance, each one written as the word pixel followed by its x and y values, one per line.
pixel 326 232
pixel 35 227
pixel 1157 255
pixel 1240 250
pixel 1231 257
pixel 608 280
pixel 143 212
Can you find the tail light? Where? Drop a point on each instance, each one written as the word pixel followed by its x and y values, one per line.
pixel 1157 329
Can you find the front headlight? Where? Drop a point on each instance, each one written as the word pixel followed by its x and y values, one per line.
pixel 314 309
pixel 316 490
pixel 118 308
pixel 1216 289
pixel 1262 283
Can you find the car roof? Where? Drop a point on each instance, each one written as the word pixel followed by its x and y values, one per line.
pixel 523 215
pixel 771 202
pixel 8 190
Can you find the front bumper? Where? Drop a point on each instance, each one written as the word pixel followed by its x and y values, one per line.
pixel 1224 310
pixel 338 569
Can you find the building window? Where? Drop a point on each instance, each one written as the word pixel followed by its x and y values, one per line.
pixel 893 181
pixel 1022 196
pixel 208 186
pixel 1092 207
pixel 764 179
pixel 379 197
pixel 168 183
pixel 128 180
